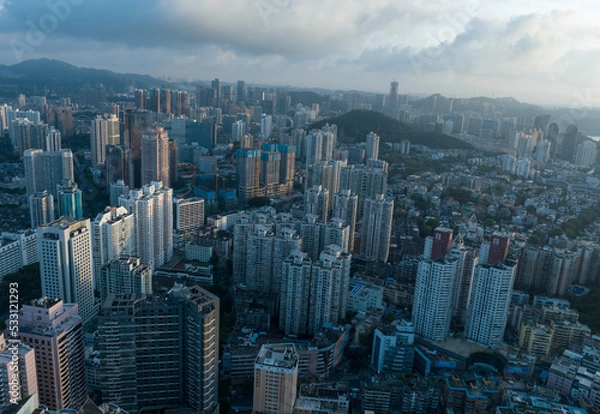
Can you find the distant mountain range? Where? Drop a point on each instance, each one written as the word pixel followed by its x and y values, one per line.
pixel 32 77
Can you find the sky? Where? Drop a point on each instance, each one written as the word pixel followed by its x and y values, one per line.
pixel 543 52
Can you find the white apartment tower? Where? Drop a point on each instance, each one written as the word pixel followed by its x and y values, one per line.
pixel 490 302
pixel 372 146
pixel 104 131
pixel 376 228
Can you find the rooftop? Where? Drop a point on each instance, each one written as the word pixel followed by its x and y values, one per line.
pixel 278 355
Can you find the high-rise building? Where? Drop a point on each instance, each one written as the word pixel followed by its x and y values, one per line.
pixel 65 251
pixel 189 213
pixel 154 105
pixel 55 331
pixel 294 297
pixel 161 350
pixel 372 146
pixel 433 298
pixel 53 142
pixel 393 348
pixel 238 129
pixel 490 302
pixel 367 181
pixel 216 87
pixel 345 207
pixel 276 379
pixel 119 165
pixel 104 131
pixel 376 228
pixel 155 156
pixel 270 162
pixel 152 208
pixel 45 170
pixel 125 275
pixel 140 99
pixel 496 250
pixel 113 236
pixel 18 377
pixel 393 100
pixel 17 250
pixel 266 126
pixel 314 147
pixel 241 92
pixel 41 209
pixel 438 245
pixel 330 279
pixel 316 201
pixel 248 170
pixel 69 200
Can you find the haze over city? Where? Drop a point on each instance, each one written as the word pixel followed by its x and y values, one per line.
pixel 539 52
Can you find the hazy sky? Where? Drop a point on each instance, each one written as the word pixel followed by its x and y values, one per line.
pixel 545 52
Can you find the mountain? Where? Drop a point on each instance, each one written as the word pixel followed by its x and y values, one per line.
pixel 31 77
pixel 354 126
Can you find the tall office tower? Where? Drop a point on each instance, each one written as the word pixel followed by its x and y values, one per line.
pixel 266 126
pixel 294 294
pixel 496 250
pixel 138 333
pixel 238 129
pixel 189 213
pixel 314 147
pixel 316 201
pixel 140 99
pixel 241 92
pixel 104 131
pixel 276 379
pixel 329 145
pixel 152 208
pixel 69 200
pixel 45 170
pixel 490 302
pixel 376 228
pixel 330 279
pixel 394 348
pixel 113 236
pixel 18 377
pixel 165 101
pixel 124 275
pixel 53 140
pixel 286 166
pixel 119 165
pixel 248 169
pixel 393 100
pixel 41 209
pixel 438 245
pixel 55 331
pixel 372 146
pixel 433 299
pixel 154 104
pixel 270 164
pixel 345 207
pixel 65 251
pixel 155 156
pixel 216 86
pixel 570 139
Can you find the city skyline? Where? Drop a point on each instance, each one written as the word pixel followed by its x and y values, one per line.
pixel 536 52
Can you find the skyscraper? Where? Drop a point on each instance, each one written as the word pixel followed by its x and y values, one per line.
pixel 433 299
pixel 155 156
pixel 276 379
pixel 125 275
pixel 55 332
pixel 241 92
pixel 53 142
pixel 345 207
pixel 41 209
pixel 294 298
pixel 270 162
pixel 438 245
pixel 266 126
pixel 18 376
pixel 65 251
pixel 316 201
pixel 45 170
pixel 113 236
pixel 496 250
pixel 161 350
pixel 372 146
pixel 376 228
pixel 248 169
pixel 104 131
pixel 489 302
pixel 393 100
pixel 69 200
pixel 152 208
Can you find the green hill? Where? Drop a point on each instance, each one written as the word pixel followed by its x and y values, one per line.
pixel 354 126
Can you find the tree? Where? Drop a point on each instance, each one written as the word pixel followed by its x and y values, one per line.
pixel 259 202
